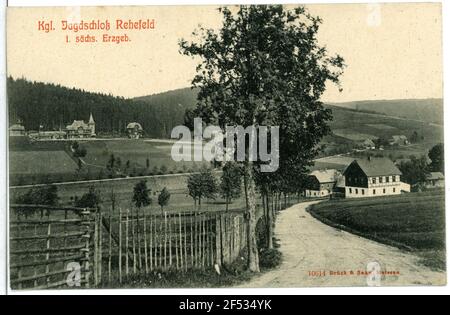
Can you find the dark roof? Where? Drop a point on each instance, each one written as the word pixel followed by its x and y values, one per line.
pixel 376 167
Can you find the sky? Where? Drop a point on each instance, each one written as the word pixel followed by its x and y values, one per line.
pixel 392 51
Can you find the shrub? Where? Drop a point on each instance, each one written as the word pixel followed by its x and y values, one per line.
pixel 269 258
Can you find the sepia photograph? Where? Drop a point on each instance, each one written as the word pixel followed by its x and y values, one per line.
pixel 225 146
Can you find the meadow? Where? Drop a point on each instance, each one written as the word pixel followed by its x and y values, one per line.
pixel 414 222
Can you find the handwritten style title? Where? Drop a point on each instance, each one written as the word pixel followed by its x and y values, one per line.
pixel 93 25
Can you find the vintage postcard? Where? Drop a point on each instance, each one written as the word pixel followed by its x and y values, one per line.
pixel 250 146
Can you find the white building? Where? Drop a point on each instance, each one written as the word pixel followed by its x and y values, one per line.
pixel 373 177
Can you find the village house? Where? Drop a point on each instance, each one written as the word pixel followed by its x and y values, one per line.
pixel 373 177
pixel 80 129
pixel 400 140
pixel 17 130
pixel 134 130
pixel 434 180
pixel 367 144
pixel 321 183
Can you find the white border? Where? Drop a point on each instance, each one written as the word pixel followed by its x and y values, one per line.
pixel 265 291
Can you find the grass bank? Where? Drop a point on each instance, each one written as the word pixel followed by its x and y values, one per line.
pixel 413 222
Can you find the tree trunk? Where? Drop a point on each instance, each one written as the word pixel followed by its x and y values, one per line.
pixel 269 224
pixel 253 257
pixel 227 202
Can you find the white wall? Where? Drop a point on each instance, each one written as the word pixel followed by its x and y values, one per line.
pixel 388 190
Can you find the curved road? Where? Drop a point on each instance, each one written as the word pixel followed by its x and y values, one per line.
pixel 311 246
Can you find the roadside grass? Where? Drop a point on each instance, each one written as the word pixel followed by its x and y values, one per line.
pixel 413 222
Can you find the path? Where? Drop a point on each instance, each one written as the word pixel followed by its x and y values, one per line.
pixel 309 245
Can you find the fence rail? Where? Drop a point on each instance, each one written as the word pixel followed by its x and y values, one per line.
pixel 45 242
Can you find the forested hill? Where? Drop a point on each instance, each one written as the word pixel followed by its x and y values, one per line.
pixel 52 106
pixel 427 110
pixel 55 106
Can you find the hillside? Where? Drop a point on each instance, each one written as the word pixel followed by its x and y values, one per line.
pixel 52 106
pixel 428 110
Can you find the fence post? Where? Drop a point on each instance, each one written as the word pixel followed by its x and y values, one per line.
pixel 181 241
pixel 165 240
pixel 218 241
pixel 110 248
pixel 95 249
pixel 100 247
pixel 120 245
pixel 126 242
pixel 145 244
pixel 87 237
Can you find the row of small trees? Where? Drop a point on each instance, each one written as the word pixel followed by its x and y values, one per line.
pixel 204 184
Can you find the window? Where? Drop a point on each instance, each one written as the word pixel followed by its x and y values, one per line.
pixel 374 192
pixel 394 179
pixel 374 180
pixel 350 190
pixel 356 191
pixel 393 189
pixel 388 179
pixel 384 191
pixel 362 191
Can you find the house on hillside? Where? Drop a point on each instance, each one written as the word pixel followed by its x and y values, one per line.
pixel 434 180
pixel 367 144
pixel 321 183
pixel 134 130
pixel 373 177
pixel 80 129
pixel 400 140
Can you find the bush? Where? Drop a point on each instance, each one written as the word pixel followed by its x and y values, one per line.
pixel 269 258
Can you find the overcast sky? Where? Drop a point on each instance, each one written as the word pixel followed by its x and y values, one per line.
pixel 393 51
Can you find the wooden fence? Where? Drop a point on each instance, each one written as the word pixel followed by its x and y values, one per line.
pixel 132 242
pixel 48 245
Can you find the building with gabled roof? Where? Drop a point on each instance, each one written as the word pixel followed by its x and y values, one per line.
pixel 434 180
pixel 134 130
pixel 373 177
pixel 80 129
pixel 321 183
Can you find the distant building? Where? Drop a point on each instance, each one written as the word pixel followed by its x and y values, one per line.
pixel 321 183
pixel 373 177
pixel 47 135
pixel 399 140
pixel 367 144
pixel 17 130
pixel 134 130
pixel 434 180
pixel 80 129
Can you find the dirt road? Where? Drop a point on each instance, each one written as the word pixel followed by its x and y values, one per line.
pixel 315 254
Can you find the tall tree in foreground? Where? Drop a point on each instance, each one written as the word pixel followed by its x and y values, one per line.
pixel 265 67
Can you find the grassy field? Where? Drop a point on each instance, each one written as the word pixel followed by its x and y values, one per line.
pixel 353 135
pixel 413 221
pixel 52 161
